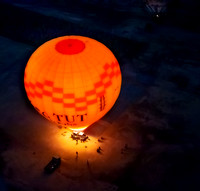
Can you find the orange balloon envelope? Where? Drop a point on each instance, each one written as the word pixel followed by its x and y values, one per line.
pixel 73 81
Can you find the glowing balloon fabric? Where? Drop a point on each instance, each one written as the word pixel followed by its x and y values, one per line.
pixel 72 81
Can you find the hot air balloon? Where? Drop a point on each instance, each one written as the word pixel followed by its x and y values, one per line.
pixel 72 81
pixel 156 7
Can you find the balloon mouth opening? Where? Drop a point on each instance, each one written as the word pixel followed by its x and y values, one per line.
pixel 79 129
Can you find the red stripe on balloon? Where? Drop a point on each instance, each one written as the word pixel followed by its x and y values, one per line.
pixel 32 85
pixel 39 85
pixel 92 102
pixel 113 65
pixel 30 94
pixel 57 100
pixel 80 100
pixel 38 94
pixel 98 84
pixel 69 105
pixel 26 84
pixel 48 83
pixel 47 93
pixel 57 90
pixel 118 73
pixel 111 74
pixel 106 66
pixel 81 108
pixel 107 84
pixel 68 96
pixel 91 92
pixel 104 75
pixel 101 93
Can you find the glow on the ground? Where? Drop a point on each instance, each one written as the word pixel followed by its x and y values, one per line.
pixel 66 143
